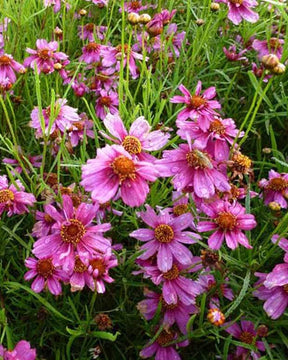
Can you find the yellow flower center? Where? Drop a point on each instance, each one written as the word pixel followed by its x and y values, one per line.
pixel 79 267
pixel 226 221
pixel 172 274
pixel 164 233
pixel 277 184
pixel 6 195
pixel 132 145
pixel 198 159
pixel 180 209
pixel 217 127
pixel 196 101
pixel 124 168
pixel 73 232
pixel 236 2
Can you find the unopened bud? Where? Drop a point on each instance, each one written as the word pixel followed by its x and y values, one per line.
pixel 270 61
pixel 144 18
pixel 267 150
pixel 200 22
pixel 279 69
pixel 133 18
pixel 216 317
pixel 58 32
pixel 57 66
pixel 82 12
pixel 274 206
pixel 214 6
pixel 262 331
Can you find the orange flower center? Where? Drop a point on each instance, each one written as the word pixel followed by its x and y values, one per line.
pixel 6 195
pixel 164 233
pixel 216 317
pixel 89 27
pixel 277 184
pixel 135 5
pixel 285 288
pixel 226 221
pixel 5 60
pixel 45 268
pixel 79 267
pixel 217 127
pixel 241 162
pixel 73 232
pixel 105 100
pixel 165 338
pixel 172 274
pixel 198 159
pixel 125 48
pixel 247 337
pixel 236 2
pixel 98 264
pixel 44 54
pixel 124 168
pixel 196 101
pixel 180 209
pixel 132 145
pixel 92 46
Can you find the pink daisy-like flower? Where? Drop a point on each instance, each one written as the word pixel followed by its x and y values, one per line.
pixel 228 221
pixel 89 31
pixel 216 139
pixel 115 168
pixel 275 188
pixel 161 349
pixel 107 101
pixel 232 55
pixel 166 238
pixel 45 56
pixel 55 3
pixel 273 46
pixel 8 67
pixel 241 9
pixel 35 161
pixel 139 138
pixel 78 129
pixel 174 313
pixel 46 273
pixel 99 3
pixel 191 167
pixel 43 226
pixel 91 53
pixel 276 298
pixel 200 108
pixel 136 6
pixel 246 333
pixel 64 118
pixel 22 351
pixel 73 231
pixel 13 198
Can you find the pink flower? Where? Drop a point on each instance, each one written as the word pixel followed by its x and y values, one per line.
pixel 166 238
pixel 275 188
pixel 246 334
pixel 135 6
pixel 216 140
pixel 21 351
pixel 56 3
pixel 64 118
pixel 79 128
pixel 44 224
pixel 276 298
pixel 228 221
pixel 139 138
pixel 89 31
pixel 45 56
pixel 114 168
pixel 177 313
pixel 34 161
pixel 274 46
pixel 46 273
pixel 91 53
pixel 106 102
pixel 283 244
pixel 73 231
pixel 191 167
pixel 241 9
pixel 8 67
pixel 232 55
pixel 199 108
pixel 100 3
pixel 13 198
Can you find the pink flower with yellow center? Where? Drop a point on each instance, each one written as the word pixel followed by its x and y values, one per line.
pixel 8 67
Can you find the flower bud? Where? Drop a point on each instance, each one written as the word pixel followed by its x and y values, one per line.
pixel 144 18
pixel 262 331
pixel 57 66
pixel 82 12
pixel 216 317
pixel 279 69
pixel 267 150
pixel 274 206
pixel 200 22
pixel 214 6
pixel 154 27
pixel 133 18
pixel 270 61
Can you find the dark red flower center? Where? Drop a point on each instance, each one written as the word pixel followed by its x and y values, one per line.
pixel 198 159
pixel 79 267
pixel 89 27
pixel 172 274
pixel 196 101
pixel 92 47
pixel 274 43
pixel 164 233
pixel 217 127
pixel 135 5
pixel 226 220
pixel 180 209
pixel 5 60
pixel 6 195
pixel 285 288
pixel 277 184
pixel 73 232
pixel 45 267
pixel 132 145
pixel 247 337
pixel 165 337
pixel 124 168
pixel 105 100
pixel 98 264
pixel 44 54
